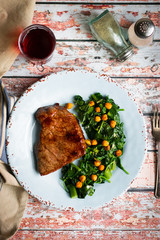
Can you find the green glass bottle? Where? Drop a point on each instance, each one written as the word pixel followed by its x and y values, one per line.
pixel 107 31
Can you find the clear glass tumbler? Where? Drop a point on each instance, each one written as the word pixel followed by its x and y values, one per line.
pixel 37 43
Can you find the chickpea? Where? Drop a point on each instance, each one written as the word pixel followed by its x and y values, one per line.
pixel 78 184
pixel 108 105
pixel 82 178
pixel 112 123
pixel 88 142
pixel 69 105
pixel 97 163
pixel 91 103
pixel 97 109
pixel 94 177
pixel 105 143
pixel 94 142
pixel 118 153
pixel 101 167
pixel 97 119
pixel 104 117
pixel 107 148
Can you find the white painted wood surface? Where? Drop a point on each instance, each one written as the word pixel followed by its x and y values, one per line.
pixel 136 213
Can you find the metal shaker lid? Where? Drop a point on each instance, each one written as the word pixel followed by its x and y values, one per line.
pixel 144 28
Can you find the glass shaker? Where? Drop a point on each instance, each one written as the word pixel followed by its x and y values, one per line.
pixel 141 32
pixel 107 31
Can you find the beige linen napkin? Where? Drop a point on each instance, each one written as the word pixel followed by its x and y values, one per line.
pixel 15 15
pixel 13 200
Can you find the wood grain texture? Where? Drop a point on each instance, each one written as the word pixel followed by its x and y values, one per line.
pixel 70 21
pixel 144 91
pixel 131 210
pixel 97 1
pixel 87 235
pixel 91 56
pixel 135 214
pixel 145 179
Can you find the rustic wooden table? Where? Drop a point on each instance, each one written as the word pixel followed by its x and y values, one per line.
pixel 136 213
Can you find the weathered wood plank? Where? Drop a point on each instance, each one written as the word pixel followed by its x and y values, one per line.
pixel 86 235
pixel 146 176
pixel 99 1
pixel 151 144
pixel 16 86
pixel 133 215
pixel 129 211
pixel 70 21
pixel 144 91
pixel 92 57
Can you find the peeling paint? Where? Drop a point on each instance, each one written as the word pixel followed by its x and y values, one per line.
pixel 133 215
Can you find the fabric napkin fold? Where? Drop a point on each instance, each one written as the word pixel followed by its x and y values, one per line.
pixel 13 197
pixel 15 15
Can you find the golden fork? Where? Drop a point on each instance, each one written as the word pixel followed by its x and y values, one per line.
pixel 156 135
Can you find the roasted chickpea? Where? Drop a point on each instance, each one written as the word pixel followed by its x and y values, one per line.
pixel 97 109
pixel 94 177
pixel 82 178
pixel 108 105
pixel 101 167
pixel 94 142
pixel 105 143
pixel 91 103
pixel 97 119
pixel 112 123
pixel 88 142
pixel 69 105
pixel 78 184
pixel 118 153
pixel 97 163
pixel 104 117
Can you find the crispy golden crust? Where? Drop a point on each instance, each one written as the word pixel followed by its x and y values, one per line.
pixel 61 138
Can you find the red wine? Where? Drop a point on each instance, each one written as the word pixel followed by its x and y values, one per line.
pixel 37 42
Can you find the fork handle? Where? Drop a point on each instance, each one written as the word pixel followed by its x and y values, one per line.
pixel 157 184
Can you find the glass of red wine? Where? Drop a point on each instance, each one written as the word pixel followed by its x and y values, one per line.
pixel 37 43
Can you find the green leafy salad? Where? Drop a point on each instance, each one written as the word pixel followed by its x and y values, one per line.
pixel 99 116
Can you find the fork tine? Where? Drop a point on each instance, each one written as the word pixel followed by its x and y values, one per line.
pixel 154 118
pixel 157 118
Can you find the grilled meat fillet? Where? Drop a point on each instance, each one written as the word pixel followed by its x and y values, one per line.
pixel 61 138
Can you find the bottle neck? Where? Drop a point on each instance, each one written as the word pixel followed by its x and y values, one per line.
pixel 124 55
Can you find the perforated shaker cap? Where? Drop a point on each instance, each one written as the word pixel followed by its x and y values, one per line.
pixel 144 28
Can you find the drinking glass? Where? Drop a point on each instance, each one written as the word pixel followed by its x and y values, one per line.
pixel 37 43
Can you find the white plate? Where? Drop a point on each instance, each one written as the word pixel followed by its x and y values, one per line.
pixel 22 134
